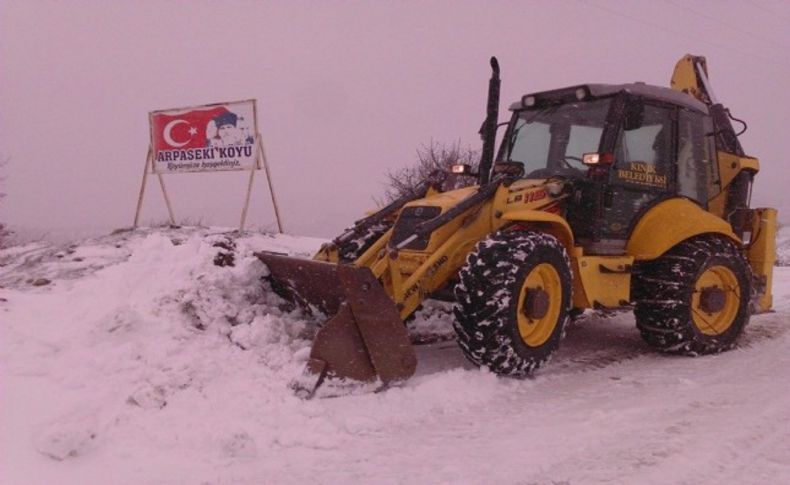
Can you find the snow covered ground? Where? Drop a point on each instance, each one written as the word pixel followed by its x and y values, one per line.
pixel 134 358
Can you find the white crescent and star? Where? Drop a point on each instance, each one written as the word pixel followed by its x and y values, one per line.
pixel 169 137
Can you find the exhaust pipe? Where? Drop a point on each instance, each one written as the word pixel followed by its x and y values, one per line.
pixel 488 129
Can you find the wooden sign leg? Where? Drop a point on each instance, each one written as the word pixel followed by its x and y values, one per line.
pixel 271 187
pixel 167 200
pixel 142 190
pixel 246 200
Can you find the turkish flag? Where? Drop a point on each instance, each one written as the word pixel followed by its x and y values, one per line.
pixel 182 131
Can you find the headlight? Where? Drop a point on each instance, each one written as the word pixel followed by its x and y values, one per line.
pixel 461 169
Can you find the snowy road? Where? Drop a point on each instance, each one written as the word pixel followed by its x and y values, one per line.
pixel 143 362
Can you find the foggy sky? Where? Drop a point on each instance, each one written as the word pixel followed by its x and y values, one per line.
pixel 346 90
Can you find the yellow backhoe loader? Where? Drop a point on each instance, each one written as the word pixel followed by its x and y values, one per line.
pixel 600 196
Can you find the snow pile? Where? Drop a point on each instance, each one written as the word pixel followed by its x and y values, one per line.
pixel 171 316
pixel 431 322
pixel 140 343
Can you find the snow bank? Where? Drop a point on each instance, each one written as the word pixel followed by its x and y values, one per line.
pixel 151 341
pixel 143 323
pixel 783 247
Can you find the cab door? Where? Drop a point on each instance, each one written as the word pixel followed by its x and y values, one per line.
pixel 642 173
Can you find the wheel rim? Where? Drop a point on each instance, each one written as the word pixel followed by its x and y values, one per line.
pixel 539 304
pixel 715 301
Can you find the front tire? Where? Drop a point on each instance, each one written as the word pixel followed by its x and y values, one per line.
pixel 513 301
pixel 695 298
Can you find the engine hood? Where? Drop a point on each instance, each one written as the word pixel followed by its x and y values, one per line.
pixel 521 194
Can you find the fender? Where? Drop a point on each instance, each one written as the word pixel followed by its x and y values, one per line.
pixel 670 222
pixel 548 222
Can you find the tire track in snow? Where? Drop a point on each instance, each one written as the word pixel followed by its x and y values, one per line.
pixel 596 343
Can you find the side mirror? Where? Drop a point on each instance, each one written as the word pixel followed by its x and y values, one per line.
pixel 599 164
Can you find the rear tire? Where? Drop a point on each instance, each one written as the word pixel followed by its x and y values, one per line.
pixel 513 301
pixel 695 298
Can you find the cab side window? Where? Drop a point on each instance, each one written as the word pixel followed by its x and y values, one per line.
pixel 696 168
pixel 644 150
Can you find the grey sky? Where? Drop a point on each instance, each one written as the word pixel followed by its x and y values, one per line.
pixel 346 90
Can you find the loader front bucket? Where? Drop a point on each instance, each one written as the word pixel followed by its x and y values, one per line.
pixel 363 339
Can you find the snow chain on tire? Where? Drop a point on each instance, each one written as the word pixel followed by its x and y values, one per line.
pixel 663 290
pixel 487 298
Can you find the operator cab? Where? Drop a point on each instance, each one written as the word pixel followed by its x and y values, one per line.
pixel 625 147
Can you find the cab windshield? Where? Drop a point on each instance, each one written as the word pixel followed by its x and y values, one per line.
pixel 551 141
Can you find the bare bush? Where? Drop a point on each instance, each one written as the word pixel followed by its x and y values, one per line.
pixel 432 158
